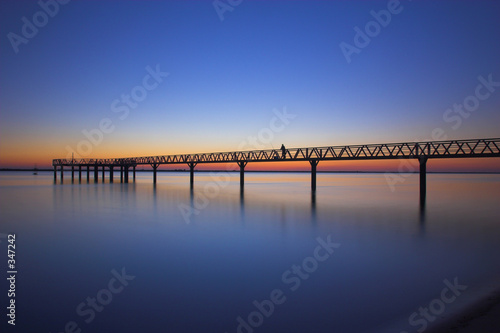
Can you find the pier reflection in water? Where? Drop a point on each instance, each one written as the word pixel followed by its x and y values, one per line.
pixel 201 256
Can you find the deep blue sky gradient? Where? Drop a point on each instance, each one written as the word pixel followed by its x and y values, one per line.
pixel 227 76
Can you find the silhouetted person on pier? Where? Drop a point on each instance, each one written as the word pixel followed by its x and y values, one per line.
pixel 283 151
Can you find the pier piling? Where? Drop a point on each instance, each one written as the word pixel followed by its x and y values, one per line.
pixel 191 173
pixel 155 166
pixel 96 173
pixel 242 165
pixel 423 179
pixel 314 162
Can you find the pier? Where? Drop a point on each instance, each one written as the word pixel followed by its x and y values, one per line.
pixel 421 151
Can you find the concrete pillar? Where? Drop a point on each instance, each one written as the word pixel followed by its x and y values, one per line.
pixel 423 179
pixel 191 173
pixel 72 173
pixel 242 165
pixel 121 173
pixel 55 173
pixel 103 172
pixel 79 173
pixel 155 166
pixel 125 170
pixel 133 174
pixel 88 173
pixel 314 162
pixel 111 173
pixel 96 174
pixel 62 173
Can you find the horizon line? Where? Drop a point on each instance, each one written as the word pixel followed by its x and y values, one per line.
pixel 275 171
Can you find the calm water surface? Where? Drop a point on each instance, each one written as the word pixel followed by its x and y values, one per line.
pixel 207 260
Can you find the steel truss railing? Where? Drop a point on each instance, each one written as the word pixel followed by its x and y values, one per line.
pixel 431 149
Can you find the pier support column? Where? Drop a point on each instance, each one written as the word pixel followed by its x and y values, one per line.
pixel 111 173
pixel 242 165
pixel 72 173
pixel 423 179
pixel 133 173
pixel 79 173
pixel 103 172
pixel 314 162
pixel 125 170
pixel 191 173
pixel 55 174
pixel 88 173
pixel 121 173
pixel 62 173
pixel 155 166
pixel 96 174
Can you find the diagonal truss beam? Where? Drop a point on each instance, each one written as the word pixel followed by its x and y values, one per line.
pixel 432 149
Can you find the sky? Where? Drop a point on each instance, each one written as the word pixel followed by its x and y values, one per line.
pixel 138 78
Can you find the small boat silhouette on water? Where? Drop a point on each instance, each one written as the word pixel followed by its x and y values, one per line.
pixel 35 170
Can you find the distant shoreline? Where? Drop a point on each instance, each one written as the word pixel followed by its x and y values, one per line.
pixel 276 171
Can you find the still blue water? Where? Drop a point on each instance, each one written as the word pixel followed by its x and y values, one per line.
pixel 142 258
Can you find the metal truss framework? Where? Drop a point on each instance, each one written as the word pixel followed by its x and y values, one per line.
pixel 432 149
